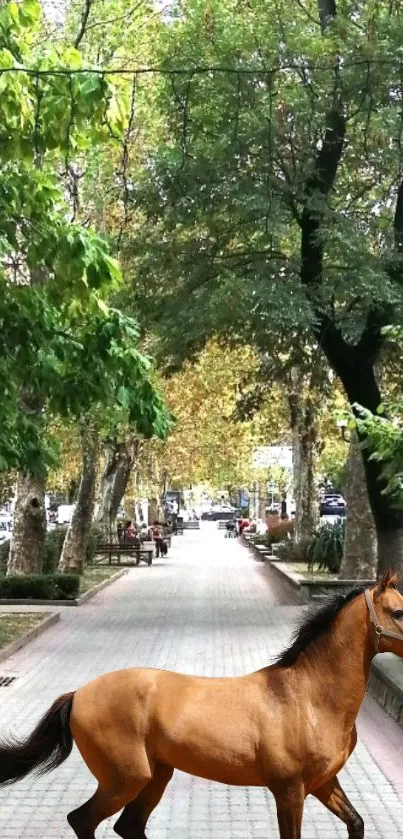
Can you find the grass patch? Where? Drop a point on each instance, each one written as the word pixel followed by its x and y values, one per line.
pixel 302 569
pixel 93 576
pixel 14 625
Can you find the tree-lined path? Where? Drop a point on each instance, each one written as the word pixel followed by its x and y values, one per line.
pixel 209 609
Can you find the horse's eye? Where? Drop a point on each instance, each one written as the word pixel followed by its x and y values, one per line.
pixel 398 615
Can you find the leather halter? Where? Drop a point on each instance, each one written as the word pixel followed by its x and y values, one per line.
pixel 380 632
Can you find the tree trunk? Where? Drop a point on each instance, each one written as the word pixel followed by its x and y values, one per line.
pixel 115 477
pixel 152 510
pixel 262 495
pixel 357 374
pixel 29 526
pixel 73 557
pixel 305 490
pixel 29 520
pixel 305 450
pixel 360 547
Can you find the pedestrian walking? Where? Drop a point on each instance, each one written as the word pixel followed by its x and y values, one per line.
pixel 157 535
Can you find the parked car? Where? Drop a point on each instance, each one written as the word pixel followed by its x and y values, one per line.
pixel 332 504
pixel 5 528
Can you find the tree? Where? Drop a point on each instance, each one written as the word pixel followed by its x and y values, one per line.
pixel 271 190
pixel 210 443
pixel 308 389
pixel 119 459
pixel 127 399
pixel 60 344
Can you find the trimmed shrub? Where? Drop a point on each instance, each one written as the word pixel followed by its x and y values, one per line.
pixel 40 587
pixel 4 554
pixel 53 548
pixel 96 536
pixel 273 521
pixel 297 551
pixel 280 532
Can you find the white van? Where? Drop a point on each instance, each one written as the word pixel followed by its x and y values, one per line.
pixel 64 513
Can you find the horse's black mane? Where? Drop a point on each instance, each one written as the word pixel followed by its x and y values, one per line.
pixel 315 623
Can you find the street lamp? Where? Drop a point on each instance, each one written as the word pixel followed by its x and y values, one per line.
pixel 342 425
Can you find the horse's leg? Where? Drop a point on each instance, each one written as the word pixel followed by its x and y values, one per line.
pixel 100 806
pixel 290 806
pixel 335 799
pixel 132 822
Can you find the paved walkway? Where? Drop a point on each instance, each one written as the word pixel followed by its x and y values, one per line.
pixel 208 609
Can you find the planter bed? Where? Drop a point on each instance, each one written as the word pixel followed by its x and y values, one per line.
pixel 386 685
pixel 312 587
pixel 19 628
pixel 258 550
pixel 263 551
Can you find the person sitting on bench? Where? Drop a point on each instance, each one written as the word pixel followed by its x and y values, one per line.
pixel 130 535
pixel 145 534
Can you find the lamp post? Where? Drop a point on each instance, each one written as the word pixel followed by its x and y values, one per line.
pixel 342 425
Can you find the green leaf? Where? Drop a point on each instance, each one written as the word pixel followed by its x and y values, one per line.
pixel 123 396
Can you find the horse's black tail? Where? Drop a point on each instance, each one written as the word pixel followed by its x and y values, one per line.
pixel 46 748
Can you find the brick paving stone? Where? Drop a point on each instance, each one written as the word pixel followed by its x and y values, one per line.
pixel 210 609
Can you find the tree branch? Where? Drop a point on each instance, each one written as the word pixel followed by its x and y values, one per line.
pixel 318 187
pixel 371 339
pixel 84 19
pixel 398 221
pixel 394 266
pixel 379 316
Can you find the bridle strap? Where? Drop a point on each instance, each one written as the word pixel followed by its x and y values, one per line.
pixel 380 632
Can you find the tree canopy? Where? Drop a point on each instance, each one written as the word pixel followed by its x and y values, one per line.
pixel 237 154
pixel 61 348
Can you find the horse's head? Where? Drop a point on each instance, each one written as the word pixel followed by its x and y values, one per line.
pixel 385 606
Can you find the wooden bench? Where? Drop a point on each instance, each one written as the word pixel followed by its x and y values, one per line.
pixel 114 553
pixel 191 525
pixel 179 530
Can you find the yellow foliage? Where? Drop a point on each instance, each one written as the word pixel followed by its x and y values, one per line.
pixel 69 468
pixel 208 445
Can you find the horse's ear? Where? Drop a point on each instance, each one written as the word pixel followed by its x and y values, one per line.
pixel 389 580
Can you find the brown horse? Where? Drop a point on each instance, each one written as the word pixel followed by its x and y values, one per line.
pixel 289 727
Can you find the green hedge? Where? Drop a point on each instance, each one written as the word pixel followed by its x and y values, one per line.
pixel 53 548
pixel 40 587
pixel 4 552
pixel 96 536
